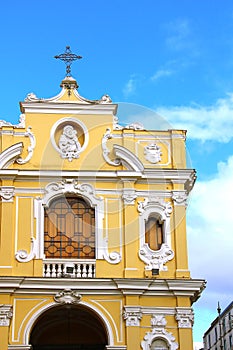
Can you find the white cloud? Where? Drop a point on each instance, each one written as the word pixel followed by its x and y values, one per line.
pixel 178 34
pixel 202 122
pixel 130 87
pixel 210 237
pixel 161 73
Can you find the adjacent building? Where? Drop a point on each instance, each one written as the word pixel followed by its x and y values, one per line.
pixel 220 334
pixel 93 251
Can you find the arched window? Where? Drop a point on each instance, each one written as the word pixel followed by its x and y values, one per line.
pixel 154 232
pixel 159 344
pixel 69 229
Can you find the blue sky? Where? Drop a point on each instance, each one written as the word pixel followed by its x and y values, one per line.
pixel 174 57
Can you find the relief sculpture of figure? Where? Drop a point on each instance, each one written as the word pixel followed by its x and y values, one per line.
pixel 69 144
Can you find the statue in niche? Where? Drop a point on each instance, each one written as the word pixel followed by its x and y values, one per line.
pixel 68 143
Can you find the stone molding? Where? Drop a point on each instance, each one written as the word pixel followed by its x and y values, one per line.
pixel 155 259
pixel 129 195
pixel 87 191
pixel 152 153
pixel 158 331
pixel 184 317
pixel 7 193
pixel 180 198
pixel 30 149
pixel 5 314
pixel 68 296
pixel 132 316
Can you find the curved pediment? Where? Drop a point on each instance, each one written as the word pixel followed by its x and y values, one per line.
pixel 10 154
pixel 127 158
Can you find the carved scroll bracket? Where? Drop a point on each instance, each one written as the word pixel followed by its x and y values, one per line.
pixel 23 256
pixel 106 151
pixel 30 147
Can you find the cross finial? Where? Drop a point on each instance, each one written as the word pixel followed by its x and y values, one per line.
pixel 68 57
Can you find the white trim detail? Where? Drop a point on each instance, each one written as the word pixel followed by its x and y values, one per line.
pixel 132 316
pixel 180 198
pixel 57 189
pixel 38 313
pixel 23 256
pixel 5 315
pixel 158 324
pixel 122 155
pixel 128 159
pixel 68 122
pixel 9 155
pixel 155 259
pixel 129 195
pixel 152 153
pixel 7 193
pixel 30 147
pixel 185 317
pixel 106 151
pixel 67 296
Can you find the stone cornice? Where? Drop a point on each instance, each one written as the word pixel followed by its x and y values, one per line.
pixel 70 108
pixel 116 286
pixel 180 176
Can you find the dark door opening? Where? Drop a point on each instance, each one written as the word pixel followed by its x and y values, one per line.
pixel 69 328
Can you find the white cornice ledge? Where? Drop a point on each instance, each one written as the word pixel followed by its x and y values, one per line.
pixel 64 107
pixel 102 286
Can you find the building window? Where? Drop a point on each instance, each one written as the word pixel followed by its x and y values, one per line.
pixel 69 229
pixel 154 233
pixel 216 334
pixel 159 344
pixel 230 341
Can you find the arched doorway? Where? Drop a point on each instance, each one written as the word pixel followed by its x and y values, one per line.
pixel 69 328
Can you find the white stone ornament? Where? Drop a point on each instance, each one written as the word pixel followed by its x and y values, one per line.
pixel 152 153
pixel 184 317
pixel 7 193
pixel 5 314
pixel 155 259
pixel 132 318
pixel 68 143
pixel 180 198
pixel 31 147
pixel 67 296
pixel 158 324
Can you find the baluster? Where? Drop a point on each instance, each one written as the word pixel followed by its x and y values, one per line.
pixel 84 274
pixel 44 270
pixel 59 270
pixel 54 271
pixel 89 272
pixel 79 272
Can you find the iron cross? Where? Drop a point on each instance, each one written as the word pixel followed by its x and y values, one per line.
pixel 68 57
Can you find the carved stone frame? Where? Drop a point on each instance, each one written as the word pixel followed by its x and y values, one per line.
pixel 155 259
pixel 87 192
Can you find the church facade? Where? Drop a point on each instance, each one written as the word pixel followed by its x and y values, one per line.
pixel 93 230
